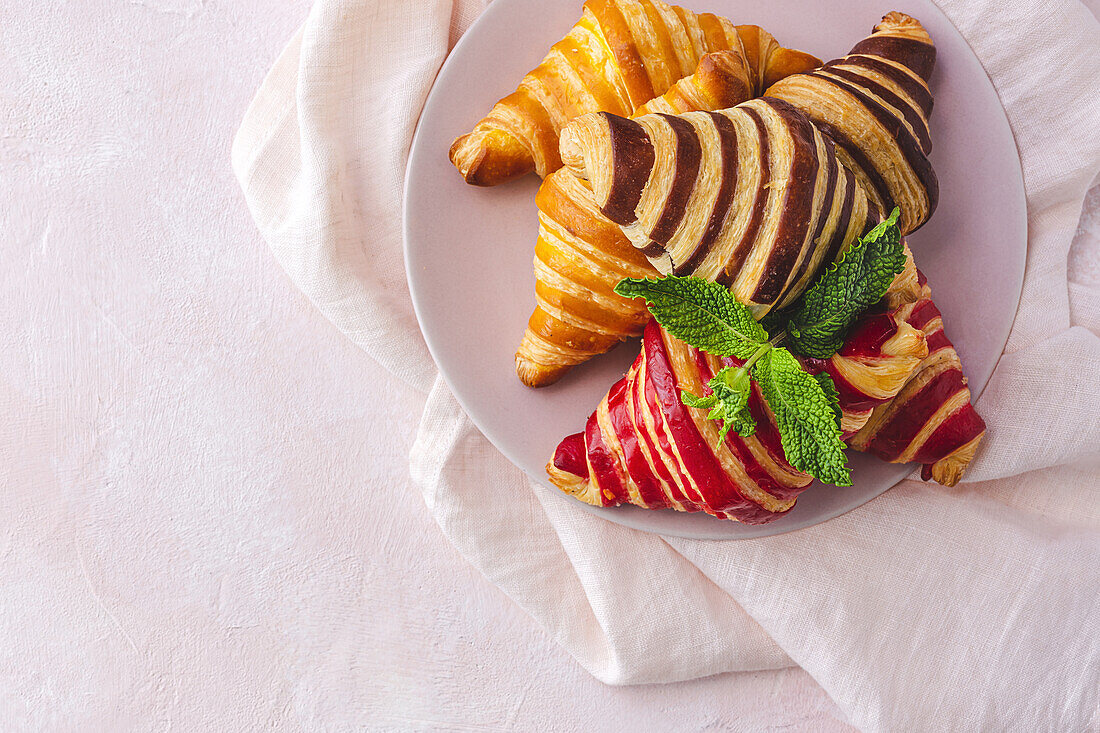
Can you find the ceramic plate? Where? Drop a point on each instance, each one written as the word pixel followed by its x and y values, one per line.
pixel 468 250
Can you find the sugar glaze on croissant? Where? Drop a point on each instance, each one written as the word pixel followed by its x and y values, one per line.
pixel 619 55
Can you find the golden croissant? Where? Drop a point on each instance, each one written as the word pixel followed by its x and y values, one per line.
pixel 580 254
pixel 619 55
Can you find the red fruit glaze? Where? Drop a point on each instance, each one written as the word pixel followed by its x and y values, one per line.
pixel 923 312
pixel 603 465
pixel 895 436
pixel 636 465
pixel 570 456
pixel 719 493
pixel 867 338
pixel 955 432
pixel 937 341
pixel 691 502
pixel 764 429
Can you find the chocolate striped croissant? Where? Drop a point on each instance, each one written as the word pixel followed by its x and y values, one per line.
pixel 643 446
pixel 753 197
pixel 580 254
pixel 619 55
pixel 931 419
pixel 874 104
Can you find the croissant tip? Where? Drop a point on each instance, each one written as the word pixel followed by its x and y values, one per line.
pixel 486 159
pixel 896 17
pixel 897 21
pixel 537 375
pixel 948 471
pixel 468 160
pixel 576 486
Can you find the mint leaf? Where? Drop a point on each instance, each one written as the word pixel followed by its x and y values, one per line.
pixel 775 321
pixel 831 394
pixel 821 319
pixel 704 314
pixel 806 416
pixel 728 401
pixel 692 400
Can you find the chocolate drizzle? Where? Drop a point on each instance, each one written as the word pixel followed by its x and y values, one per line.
pixel 688 155
pixel 760 200
pixel 727 137
pixel 827 201
pixel 912 116
pixel 841 230
pixel 917 55
pixel 905 140
pixel 914 89
pixel 790 232
pixel 631 162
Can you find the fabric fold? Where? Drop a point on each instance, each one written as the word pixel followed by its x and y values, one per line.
pixel 574 572
pixel 928 608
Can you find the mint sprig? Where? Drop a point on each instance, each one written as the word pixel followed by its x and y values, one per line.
pixel 709 317
pixel 806 406
pixel 728 401
pixel 820 320
pixel 806 413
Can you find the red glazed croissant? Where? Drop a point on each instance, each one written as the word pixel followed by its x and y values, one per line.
pixel 643 446
pixel 931 419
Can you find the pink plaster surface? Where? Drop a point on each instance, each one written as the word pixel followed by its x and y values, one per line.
pixel 208 521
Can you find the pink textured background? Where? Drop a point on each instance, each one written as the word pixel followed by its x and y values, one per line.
pixel 207 515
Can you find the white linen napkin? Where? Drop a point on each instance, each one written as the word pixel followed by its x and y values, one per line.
pixel 926 609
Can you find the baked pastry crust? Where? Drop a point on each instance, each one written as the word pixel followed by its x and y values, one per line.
pixel 931 420
pixel 753 197
pixel 619 55
pixel 642 193
pixel 580 254
pixel 874 104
